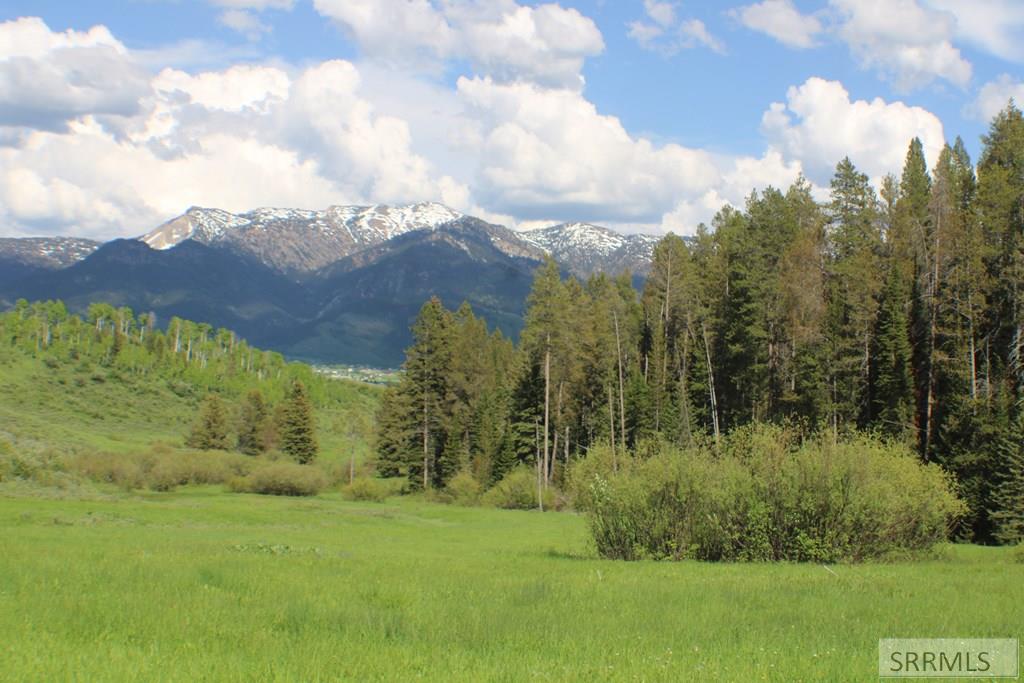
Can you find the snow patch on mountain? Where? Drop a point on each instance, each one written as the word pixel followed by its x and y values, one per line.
pixel 47 252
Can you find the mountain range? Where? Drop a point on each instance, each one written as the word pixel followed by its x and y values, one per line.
pixel 338 286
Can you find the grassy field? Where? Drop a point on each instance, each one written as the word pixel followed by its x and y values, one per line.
pixel 202 585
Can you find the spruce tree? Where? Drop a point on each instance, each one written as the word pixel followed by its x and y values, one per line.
pixel 1007 500
pixel 892 387
pixel 210 430
pixel 426 382
pixel 296 430
pixel 252 429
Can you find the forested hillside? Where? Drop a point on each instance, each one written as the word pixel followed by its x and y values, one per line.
pixel 899 313
pixel 115 381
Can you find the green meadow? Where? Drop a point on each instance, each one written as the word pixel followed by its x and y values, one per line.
pixel 199 585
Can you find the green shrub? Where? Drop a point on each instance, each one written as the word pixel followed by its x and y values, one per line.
pixel 1018 554
pixel 161 469
pixel 282 479
pixel 763 497
pixel 124 470
pixel 191 467
pixel 600 462
pixel 518 491
pixel 367 489
pixel 464 489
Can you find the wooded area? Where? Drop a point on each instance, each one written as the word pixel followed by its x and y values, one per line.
pixel 899 312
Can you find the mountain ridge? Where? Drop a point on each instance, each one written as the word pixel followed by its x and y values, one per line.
pixel 339 285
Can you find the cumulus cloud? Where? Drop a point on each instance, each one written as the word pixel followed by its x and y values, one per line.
pixel 819 125
pixel 662 31
pixel 499 38
pixel 996 26
pixel 234 89
pixel 907 43
pixel 994 96
pixel 550 152
pixel 48 78
pixel 782 21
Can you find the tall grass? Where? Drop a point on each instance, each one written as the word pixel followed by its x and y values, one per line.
pixel 201 585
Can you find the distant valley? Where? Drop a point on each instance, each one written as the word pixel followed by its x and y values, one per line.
pixel 333 286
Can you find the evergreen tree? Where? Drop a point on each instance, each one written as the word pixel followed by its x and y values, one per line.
pixel 210 429
pixel 892 390
pixel 854 281
pixel 296 430
pixel 252 429
pixel 1007 506
pixel 427 371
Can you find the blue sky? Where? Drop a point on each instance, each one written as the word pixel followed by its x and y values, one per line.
pixel 638 114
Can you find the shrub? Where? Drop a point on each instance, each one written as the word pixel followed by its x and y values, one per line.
pixel 122 469
pixel 367 489
pixel 160 469
pixel 464 489
pixel 282 479
pixel 599 463
pixel 762 497
pixel 177 469
pixel 1018 554
pixel 518 491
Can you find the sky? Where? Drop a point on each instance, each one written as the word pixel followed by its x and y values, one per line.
pixel 641 115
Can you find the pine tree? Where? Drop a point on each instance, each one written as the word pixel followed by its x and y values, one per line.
pixel 853 285
pixel 892 390
pixel 296 430
pixel 210 430
pixel 252 429
pixel 1007 502
pixel 427 378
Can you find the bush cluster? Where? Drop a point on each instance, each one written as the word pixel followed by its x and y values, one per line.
pixel 282 479
pixel 367 489
pixel 517 490
pixel 160 469
pixel 762 497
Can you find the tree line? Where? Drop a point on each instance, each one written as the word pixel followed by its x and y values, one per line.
pixel 291 427
pixel 899 312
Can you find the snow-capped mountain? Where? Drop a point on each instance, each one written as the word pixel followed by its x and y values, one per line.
pixel 297 240
pixel 338 285
pixel 586 249
pixel 46 252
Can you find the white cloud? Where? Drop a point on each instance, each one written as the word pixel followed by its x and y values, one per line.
pixel 237 88
pixel 909 44
pixel 819 125
pixel 994 96
pixel 245 22
pixel 782 21
pixel 693 32
pixel 996 26
pixel 500 38
pixel 551 153
pixel 662 13
pixel 662 31
pixel 48 78
pixel 30 37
